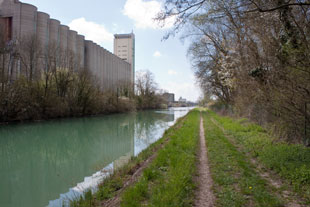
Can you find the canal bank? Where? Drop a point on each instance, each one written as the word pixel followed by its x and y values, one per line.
pixel 169 164
pixel 40 163
pixel 246 167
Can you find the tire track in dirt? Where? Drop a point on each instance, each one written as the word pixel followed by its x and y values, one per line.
pixel 289 197
pixel 204 195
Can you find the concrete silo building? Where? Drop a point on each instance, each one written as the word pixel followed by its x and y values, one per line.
pixel 20 22
pixel 124 47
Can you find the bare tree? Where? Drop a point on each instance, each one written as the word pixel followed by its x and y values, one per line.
pixel 146 91
pixel 250 54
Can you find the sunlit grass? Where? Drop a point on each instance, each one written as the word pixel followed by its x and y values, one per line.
pixel 290 161
pixel 168 181
pixel 108 188
pixel 235 181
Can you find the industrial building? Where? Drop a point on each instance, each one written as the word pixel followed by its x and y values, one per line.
pixel 124 47
pixel 20 21
pixel 169 97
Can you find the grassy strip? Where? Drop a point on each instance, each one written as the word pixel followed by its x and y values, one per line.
pixel 109 187
pixel 168 181
pixel 235 181
pixel 291 162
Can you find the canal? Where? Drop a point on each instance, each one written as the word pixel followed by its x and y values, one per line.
pixel 47 163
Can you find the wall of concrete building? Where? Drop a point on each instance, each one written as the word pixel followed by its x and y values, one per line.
pixel 28 21
pixel 124 47
pixel 63 38
pixel 107 68
pixel 71 47
pixel 42 36
pixel 42 27
pixel 54 32
pixel 80 51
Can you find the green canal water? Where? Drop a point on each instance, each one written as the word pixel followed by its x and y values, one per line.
pixel 47 163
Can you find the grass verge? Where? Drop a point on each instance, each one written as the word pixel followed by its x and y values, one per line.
pixel 169 180
pixel 110 186
pixel 235 181
pixel 290 161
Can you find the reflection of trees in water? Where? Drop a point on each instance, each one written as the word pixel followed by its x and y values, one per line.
pixel 148 124
pixel 52 156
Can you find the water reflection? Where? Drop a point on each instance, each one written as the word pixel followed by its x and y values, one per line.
pixel 40 161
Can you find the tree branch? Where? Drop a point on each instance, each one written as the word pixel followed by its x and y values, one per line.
pixel 259 9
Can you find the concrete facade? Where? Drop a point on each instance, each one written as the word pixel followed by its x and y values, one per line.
pixel 21 21
pixel 124 47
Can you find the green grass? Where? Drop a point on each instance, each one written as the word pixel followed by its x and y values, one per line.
pixel 290 161
pixel 168 181
pixel 108 188
pixel 235 181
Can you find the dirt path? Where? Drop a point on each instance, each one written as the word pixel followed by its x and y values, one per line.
pixel 204 196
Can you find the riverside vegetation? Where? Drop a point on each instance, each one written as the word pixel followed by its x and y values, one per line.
pixel 67 94
pixel 240 155
pixel 253 57
pixel 54 86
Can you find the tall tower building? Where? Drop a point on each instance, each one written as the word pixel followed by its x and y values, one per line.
pixel 124 47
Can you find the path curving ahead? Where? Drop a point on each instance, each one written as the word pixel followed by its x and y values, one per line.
pixel 204 196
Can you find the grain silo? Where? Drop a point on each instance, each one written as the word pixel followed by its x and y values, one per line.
pixel 114 70
pixel 54 33
pixel 72 41
pixel 43 29
pixel 96 62
pixel 93 67
pixel 28 21
pixel 88 55
pixel 42 33
pixel 63 39
pixel 109 61
pixel 101 64
pixel 80 45
pixel 94 58
pixel 105 75
pixel 22 22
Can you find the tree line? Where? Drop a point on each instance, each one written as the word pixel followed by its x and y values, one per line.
pixel 42 82
pixel 252 56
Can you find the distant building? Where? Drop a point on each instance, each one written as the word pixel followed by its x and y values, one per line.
pixel 124 47
pixel 169 97
pixel 182 100
pixel 21 23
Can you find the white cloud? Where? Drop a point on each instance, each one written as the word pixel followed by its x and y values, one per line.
pixel 115 27
pixel 144 12
pixel 157 54
pixel 92 31
pixel 172 72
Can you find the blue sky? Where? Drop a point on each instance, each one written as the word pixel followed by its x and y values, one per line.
pixel 98 20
